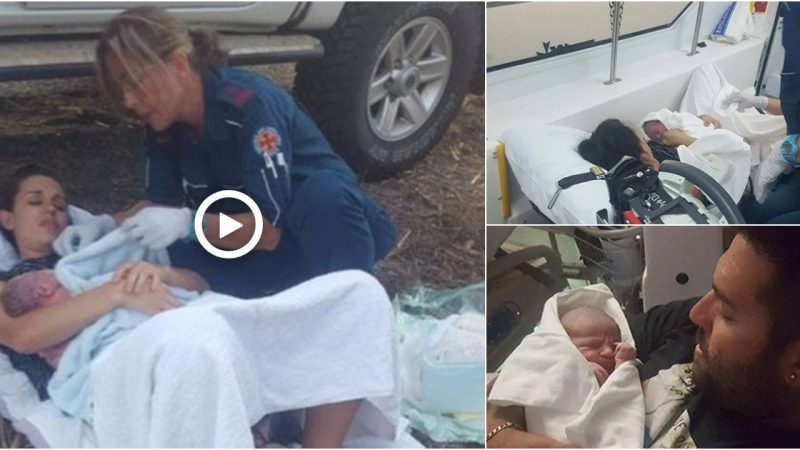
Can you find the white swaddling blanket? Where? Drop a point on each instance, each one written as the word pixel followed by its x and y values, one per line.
pixel 549 376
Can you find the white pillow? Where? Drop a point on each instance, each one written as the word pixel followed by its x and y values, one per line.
pixel 9 257
pixel 540 156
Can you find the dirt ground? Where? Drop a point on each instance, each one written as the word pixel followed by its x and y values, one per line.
pixel 438 205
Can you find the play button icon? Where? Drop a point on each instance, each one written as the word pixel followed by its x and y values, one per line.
pixel 228 225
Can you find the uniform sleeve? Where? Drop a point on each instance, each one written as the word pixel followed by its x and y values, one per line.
pixel 267 158
pixel 162 174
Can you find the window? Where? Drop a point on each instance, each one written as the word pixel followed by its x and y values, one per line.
pixel 518 33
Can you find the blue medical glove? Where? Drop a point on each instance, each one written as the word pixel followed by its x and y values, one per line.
pixel 158 227
pixel 76 237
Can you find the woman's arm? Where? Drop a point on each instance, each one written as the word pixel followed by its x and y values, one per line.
pixel 512 437
pixel 774 107
pixel 49 325
pixel 52 324
pixel 185 279
pixel 141 276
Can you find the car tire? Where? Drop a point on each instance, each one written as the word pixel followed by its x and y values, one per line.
pixel 335 88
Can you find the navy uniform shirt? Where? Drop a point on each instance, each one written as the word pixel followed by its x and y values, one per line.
pixel 790 76
pixel 256 140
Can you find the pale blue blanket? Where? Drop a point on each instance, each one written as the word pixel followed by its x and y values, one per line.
pixel 82 271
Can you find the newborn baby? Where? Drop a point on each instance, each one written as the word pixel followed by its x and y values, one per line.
pixel 32 290
pixel 598 338
pixel 36 289
pixel 677 128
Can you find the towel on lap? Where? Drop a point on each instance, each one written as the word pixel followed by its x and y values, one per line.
pixel 200 376
pixel 722 155
pixel 549 376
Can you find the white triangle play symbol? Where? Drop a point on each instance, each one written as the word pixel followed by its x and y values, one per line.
pixel 227 225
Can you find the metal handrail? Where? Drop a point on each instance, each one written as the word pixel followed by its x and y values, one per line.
pixel 616 22
pixel 696 29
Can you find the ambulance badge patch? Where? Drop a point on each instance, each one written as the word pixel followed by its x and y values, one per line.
pixel 267 140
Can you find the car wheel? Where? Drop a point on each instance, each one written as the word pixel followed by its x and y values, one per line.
pixel 393 77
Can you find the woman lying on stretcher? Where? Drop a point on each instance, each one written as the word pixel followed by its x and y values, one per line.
pixel 38 315
pixel 721 154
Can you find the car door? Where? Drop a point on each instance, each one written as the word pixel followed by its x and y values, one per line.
pixel 26 18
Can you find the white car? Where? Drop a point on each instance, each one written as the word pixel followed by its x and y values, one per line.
pixel 383 80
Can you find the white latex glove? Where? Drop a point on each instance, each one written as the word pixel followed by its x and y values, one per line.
pixel 768 172
pixel 157 227
pixel 745 101
pixel 76 237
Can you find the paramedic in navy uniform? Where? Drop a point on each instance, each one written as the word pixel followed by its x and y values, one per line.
pixel 790 76
pixel 212 128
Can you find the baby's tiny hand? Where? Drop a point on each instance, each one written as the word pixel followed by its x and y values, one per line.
pixel 598 372
pixel 623 352
pixel 710 120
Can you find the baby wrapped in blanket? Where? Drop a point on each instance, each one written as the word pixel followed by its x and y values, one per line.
pixel 573 389
pixel 720 153
pixel 598 338
pixel 75 274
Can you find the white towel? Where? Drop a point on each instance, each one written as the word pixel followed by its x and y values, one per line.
pixel 722 155
pixel 707 90
pixel 549 376
pixel 202 375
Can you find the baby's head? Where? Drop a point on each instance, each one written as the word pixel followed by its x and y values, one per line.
pixel 31 290
pixel 654 129
pixel 595 334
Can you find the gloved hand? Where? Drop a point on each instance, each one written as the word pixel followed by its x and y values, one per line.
pixel 158 227
pixel 76 237
pixel 767 173
pixel 745 101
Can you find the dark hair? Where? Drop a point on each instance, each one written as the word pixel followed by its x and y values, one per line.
pixel 781 245
pixel 610 142
pixel 10 189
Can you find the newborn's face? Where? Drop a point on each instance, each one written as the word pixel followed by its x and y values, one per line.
pixel 596 341
pixel 654 130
